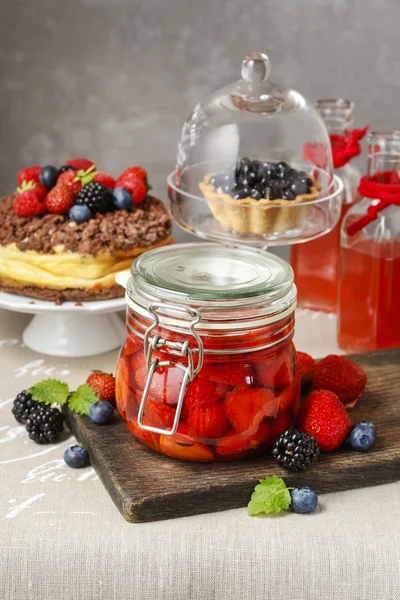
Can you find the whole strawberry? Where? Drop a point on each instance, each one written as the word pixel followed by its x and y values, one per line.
pixel 60 199
pixel 137 188
pixel 341 376
pixel 79 163
pixel 306 368
pixel 103 384
pixel 104 179
pixel 71 179
pixel 324 416
pixel 134 173
pixel 29 174
pixel 27 204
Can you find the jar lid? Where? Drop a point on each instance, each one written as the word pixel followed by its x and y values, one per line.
pixel 212 272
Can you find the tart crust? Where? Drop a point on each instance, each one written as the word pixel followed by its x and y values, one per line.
pixel 248 215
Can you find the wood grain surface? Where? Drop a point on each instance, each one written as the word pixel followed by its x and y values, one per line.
pixel 146 486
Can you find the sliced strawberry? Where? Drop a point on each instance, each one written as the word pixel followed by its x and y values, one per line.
pixel 275 372
pixel 235 445
pixel 202 392
pixel 150 439
pixel 123 388
pixel 233 373
pixel 182 446
pixel 157 414
pixel 208 422
pixel 165 384
pixel 247 407
pixel 288 398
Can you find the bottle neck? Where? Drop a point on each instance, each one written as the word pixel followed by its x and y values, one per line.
pixel 337 115
pixel 383 152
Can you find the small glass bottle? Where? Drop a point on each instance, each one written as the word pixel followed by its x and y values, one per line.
pixel 369 287
pixel 316 263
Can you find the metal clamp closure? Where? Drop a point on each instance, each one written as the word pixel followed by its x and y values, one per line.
pixel 156 343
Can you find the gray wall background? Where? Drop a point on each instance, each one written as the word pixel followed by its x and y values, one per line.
pixel 115 79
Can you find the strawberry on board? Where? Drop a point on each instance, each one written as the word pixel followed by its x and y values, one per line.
pixel 208 422
pixel 29 174
pixel 232 373
pixel 324 416
pixel 181 445
pixel 247 407
pixel 103 384
pixel 306 368
pixel 341 376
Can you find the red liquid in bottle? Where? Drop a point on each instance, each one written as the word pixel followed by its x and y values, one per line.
pixel 316 268
pixel 369 296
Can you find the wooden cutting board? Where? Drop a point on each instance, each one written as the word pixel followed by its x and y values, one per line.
pixel 146 486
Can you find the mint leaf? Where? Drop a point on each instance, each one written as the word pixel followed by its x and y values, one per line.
pixel 50 391
pixel 270 496
pixel 81 400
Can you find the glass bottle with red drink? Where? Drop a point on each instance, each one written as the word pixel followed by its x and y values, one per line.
pixel 316 263
pixel 369 287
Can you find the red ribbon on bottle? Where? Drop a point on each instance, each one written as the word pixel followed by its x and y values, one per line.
pixel 344 148
pixel 384 186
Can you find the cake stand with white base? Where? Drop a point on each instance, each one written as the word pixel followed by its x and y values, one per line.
pixel 71 329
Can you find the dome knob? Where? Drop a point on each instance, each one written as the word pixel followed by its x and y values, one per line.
pixel 256 67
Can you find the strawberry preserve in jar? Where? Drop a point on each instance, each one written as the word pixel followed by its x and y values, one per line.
pixel 208 370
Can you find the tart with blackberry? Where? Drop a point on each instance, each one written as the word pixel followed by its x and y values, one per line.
pixel 68 230
pixel 244 199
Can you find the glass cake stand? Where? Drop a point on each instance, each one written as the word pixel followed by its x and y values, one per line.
pixel 70 329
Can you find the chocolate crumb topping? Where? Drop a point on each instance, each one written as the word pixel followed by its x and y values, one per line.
pixel 120 231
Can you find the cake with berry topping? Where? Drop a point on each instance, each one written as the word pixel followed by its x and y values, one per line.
pixel 245 199
pixel 67 231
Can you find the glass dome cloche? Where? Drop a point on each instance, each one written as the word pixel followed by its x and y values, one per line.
pixel 254 165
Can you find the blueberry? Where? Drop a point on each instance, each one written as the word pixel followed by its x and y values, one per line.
pixel 282 170
pixel 48 176
pixel 304 500
pixel 288 195
pixel 255 194
pixel 212 181
pixel 362 436
pixel 310 182
pixel 122 199
pixel 80 213
pixel 275 190
pixel 299 186
pixel 76 457
pixel 101 412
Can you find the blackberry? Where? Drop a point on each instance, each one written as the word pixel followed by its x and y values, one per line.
pixel 22 406
pixel 295 451
pixel 66 168
pixel 97 197
pixel 44 424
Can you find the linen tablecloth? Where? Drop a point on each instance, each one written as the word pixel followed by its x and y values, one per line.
pixel 63 539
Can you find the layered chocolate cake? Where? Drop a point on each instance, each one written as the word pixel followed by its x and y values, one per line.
pixel 66 240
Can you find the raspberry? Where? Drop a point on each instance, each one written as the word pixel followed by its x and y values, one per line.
pixel 27 204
